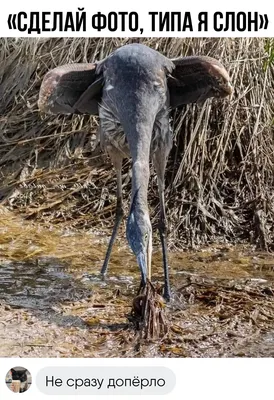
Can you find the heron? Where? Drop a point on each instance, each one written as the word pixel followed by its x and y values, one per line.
pixel 133 90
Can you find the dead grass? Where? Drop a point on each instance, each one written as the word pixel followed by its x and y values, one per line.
pixel 220 173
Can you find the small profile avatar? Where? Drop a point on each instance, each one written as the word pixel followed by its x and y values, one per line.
pixel 18 379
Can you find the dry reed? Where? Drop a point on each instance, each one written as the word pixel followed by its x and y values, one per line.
pixel 220 171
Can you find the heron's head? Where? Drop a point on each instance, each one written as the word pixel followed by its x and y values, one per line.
pixel 139 236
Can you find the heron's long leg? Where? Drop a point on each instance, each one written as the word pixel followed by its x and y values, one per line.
pixel 159 161
pixel 117 161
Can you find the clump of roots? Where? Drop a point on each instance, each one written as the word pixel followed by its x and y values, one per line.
pixel 148 313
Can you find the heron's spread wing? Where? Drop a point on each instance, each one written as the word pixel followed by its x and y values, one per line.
pixel 195 79
pixel 63 88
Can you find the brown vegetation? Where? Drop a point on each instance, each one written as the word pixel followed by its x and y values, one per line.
pixel 220 173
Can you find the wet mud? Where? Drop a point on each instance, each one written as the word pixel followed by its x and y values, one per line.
pixel 222 306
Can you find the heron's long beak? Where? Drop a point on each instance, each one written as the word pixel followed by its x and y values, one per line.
pixel 142 262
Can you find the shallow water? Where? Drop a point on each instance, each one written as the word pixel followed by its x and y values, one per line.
pixel 222 305
pixel 33 286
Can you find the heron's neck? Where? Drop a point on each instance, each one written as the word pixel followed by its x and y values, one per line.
pixel 140 179
pixel 139 138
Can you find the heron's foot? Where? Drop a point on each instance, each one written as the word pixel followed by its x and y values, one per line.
pixel 167 296
pixel 141 287
pixel 103 276
pixel 104 269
